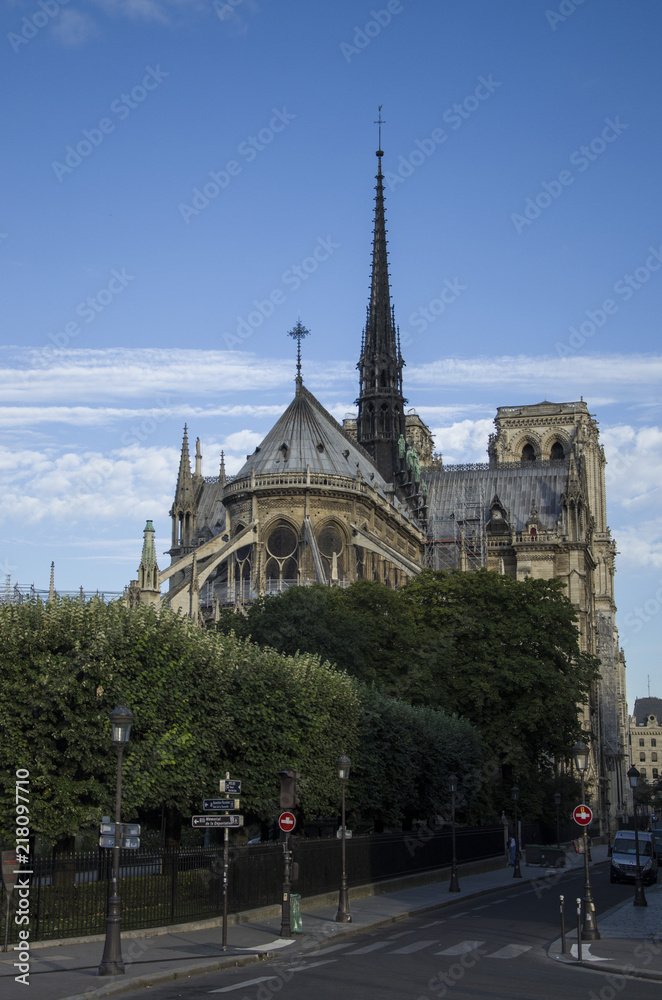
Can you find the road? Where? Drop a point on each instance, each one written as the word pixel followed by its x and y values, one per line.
pixel 492 948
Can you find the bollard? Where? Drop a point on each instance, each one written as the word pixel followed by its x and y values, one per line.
pixel 579 929
pixel 562 907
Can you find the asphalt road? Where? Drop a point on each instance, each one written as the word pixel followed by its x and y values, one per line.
pixel 493 948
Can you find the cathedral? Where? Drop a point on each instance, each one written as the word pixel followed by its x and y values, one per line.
pixel 328 503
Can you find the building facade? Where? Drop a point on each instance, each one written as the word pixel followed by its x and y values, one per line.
pixel 317 501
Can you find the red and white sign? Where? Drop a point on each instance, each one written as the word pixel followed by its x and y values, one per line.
pixel 287 822
pixel 582 815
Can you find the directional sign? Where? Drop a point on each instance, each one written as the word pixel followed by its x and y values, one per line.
pixel 217 805
pixel 231 786
pixel 126 843
pixel 287 822
pixel 582 815
pixel 126 829
pixel 229 820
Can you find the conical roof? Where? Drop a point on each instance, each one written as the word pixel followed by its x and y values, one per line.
pixel 307 436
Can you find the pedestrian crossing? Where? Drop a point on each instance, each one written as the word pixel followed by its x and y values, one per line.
pixel 386 947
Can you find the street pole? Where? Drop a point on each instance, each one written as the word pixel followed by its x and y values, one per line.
pixel 343 916
pixel 454 883
pixel 639 895
pixel 226 864
pixel 285 929
pixel 557 802
pixel 121 720
pixel 516 869
pixel 590 930
pixel 111 962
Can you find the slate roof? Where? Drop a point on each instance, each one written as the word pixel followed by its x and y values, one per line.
pixel 643 707
pixel 307 435
pixel 517 487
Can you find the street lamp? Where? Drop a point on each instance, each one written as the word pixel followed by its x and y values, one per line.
pixel 516 871
pixel 454 884
pixel 557 803
pixel 343 916
pixel 608 805
pixel 121 720
pixel 590 930
pixel 639 896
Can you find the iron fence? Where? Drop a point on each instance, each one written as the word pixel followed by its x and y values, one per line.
pixel 68 896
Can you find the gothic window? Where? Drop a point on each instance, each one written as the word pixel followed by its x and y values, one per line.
pixel 384 419
pixel 331 546
pixel 282 566
pixel 528 454
pixel 242 558
pixel 557 451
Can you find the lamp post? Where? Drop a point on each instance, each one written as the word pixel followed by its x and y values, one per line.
pixel 121 720
pixel 343 916
pixel 516 871
pixel 590 930
pixel 557 803
pixel 454 884
pixel 639 895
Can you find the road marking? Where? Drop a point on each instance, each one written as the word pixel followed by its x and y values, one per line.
pixel 586 954
pixel 510 951
pixel 480 907
pixel 433 924
pixel 334 947
pixel 312 965
pixel 241 986
pixel 277 943
pixel 409 949
pixel 463 948
pixel 369 947
pixel 394 937
pixel 456 915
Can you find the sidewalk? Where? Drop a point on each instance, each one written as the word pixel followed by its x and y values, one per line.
pixel 68 969
pixel 630 939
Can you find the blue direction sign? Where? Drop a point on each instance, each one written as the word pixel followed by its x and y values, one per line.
pixel 230 819
pixel 216 805
pixel 231 786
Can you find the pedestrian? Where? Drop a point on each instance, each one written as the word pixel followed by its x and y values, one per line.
pixel 512 851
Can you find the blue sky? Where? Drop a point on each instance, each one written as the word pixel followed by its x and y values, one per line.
pixel 186 177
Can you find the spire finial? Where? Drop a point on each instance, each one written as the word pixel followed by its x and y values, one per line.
pixel 298 333
pixel 380 121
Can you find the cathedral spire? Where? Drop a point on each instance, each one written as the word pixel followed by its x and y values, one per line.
pixel 184 461
pixel 381 420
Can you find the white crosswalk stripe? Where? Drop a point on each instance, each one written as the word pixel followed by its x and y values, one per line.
pixel 409 949
pixel 369 947
pixel 463 948
pixel 510 951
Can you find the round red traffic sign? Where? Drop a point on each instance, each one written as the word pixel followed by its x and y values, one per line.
pixel 287 822
pixel 582 815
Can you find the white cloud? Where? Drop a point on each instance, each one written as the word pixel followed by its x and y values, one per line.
pixel 463 441
pixel 634 465
pixel 73 28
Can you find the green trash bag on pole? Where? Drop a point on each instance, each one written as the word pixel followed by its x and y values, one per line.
pixel 295 913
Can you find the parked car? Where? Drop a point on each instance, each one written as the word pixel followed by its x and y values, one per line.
pixel 624 857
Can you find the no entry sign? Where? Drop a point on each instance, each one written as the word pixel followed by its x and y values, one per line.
pixel 582 815
pixel 287 822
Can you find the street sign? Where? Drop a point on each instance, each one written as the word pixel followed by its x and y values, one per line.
pixel 126 843
pixel 217 805
pixel 582 815
pixel 287 822
pixel 231 786
pixel 232 820
pixel 10 869
pixel 126 829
